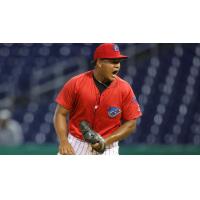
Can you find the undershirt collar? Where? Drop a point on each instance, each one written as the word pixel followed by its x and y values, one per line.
pixel 101 86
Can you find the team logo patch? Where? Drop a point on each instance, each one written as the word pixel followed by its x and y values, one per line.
pixel 113 111
pixel 115 47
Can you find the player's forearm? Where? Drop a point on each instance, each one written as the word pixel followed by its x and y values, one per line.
pixel 61 127
pixel 122 132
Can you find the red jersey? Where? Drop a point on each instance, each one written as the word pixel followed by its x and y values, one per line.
pixel 105 111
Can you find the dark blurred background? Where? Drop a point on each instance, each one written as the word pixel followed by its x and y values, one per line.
pixel 165 79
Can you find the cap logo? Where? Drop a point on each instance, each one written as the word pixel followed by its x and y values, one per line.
pixel 115 47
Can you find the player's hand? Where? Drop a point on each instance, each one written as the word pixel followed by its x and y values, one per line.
pixel 97 147
pixel 65 148
pixel 92 137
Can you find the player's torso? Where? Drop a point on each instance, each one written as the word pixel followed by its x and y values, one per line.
pixel 102 111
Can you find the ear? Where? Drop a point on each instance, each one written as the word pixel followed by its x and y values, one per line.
pixel 98 63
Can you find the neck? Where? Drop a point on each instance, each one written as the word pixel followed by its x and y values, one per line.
pixel 98 77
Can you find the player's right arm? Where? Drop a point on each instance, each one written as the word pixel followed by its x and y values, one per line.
pixel 60 125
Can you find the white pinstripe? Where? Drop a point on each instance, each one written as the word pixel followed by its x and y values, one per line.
pixel 83 148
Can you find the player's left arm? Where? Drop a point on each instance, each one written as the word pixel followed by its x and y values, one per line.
pixel 122 132
pixel 130 113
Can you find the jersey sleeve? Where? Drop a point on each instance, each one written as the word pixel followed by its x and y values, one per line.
pixel 66 96
pixel 131 109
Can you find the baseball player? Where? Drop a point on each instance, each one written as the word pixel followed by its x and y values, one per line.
pixel 102 107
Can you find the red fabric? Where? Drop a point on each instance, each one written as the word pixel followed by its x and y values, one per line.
pixel 81 97
pixel 108 50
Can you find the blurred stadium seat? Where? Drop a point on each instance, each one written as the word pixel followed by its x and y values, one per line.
pixel 165 78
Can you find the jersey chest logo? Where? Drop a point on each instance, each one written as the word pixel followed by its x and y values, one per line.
pixel 113 111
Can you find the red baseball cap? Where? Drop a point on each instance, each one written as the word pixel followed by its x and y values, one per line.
pixel 108 50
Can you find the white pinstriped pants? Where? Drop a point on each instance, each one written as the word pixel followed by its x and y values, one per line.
pixel 83 148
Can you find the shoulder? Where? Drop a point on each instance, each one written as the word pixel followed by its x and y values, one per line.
pixel 76 80
pixel 123 85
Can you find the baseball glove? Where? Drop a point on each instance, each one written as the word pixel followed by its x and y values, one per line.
pixel 91 136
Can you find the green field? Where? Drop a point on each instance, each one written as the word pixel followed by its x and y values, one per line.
pixel 51 149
